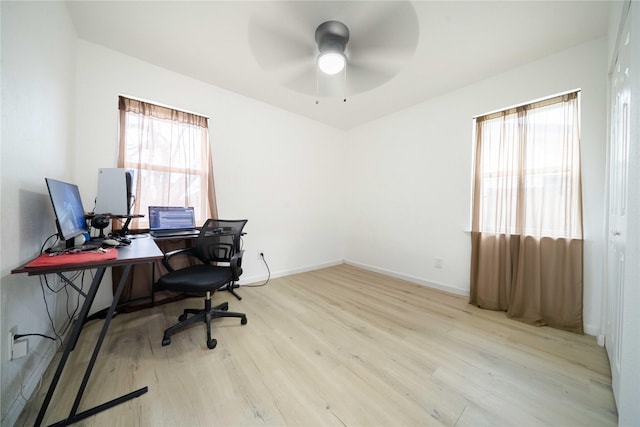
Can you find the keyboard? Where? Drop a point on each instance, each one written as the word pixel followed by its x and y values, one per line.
pixel 88 247
pixel 78 248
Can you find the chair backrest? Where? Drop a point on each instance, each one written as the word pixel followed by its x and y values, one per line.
pixel 219 240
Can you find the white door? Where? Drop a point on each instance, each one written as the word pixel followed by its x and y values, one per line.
pixel 618 190
pixel 622 324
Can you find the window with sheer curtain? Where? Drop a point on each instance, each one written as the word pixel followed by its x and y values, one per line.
pixel 527 213
pixel 170 153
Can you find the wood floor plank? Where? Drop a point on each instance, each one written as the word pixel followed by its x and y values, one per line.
pixel 340 346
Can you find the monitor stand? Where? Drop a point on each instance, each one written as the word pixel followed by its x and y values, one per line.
pixel 125 228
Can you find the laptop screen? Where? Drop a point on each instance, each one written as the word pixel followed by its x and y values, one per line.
pixel 171 218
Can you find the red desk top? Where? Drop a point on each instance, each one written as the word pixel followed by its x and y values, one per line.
pixel 81 257
pixel 141 250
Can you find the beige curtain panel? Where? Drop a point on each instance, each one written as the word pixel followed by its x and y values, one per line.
pixel 527 238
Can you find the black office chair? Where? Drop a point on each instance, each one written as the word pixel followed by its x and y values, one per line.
pixel 219 257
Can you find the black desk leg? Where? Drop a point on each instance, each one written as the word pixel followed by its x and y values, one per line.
pixel 97 409
pixel 75 334
pixel 73 415
pixel 103 332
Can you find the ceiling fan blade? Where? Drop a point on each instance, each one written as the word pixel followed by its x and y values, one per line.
pixel 382 44
pixel 361 78
pixel 388 26
pixel 390 61
pixel 273 46
pixel 303 80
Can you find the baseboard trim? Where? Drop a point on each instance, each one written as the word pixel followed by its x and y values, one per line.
pixel 275 274
pixel 417 280
pixel 591 330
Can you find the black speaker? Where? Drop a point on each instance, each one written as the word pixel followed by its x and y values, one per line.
pixel 100 222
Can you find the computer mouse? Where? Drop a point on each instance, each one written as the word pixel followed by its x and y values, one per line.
pixel 110 242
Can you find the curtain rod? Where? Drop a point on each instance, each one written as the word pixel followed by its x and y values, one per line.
pixel 527 103
pixel 135 98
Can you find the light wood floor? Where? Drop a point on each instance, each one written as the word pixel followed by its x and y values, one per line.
pixel 341 347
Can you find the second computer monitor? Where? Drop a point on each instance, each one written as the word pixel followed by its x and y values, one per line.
pixel 114 191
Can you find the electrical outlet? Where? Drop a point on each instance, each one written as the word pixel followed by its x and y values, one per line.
pixel 437 262
pixel 17 348
pixel 12 332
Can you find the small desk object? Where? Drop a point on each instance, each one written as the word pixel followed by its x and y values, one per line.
pixel 141 251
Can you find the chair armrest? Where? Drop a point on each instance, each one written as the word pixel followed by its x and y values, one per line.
pixel 236 265
pixel 171 254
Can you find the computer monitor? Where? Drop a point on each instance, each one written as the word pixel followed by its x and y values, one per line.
pixel 67 206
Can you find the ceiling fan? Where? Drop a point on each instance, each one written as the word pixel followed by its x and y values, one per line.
pixel 333 48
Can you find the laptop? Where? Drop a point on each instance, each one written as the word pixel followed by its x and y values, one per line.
pixel 172 221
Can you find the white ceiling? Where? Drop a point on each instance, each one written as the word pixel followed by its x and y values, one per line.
pixel 459 43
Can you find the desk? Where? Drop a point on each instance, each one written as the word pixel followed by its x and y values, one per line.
pixel 141 251
pixel 138 292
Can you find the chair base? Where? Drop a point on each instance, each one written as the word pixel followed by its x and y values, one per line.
pixel 203 315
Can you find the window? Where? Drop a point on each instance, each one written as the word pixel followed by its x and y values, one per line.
pixel 170 153
pixel 528 170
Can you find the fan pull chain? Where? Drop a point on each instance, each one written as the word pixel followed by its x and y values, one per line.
pixel 317 86
pixel 345 83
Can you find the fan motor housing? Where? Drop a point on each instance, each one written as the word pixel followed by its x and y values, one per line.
pixel 332 36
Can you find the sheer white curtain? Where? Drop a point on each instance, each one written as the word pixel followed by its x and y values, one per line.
pixel 527 213
pixel 170 153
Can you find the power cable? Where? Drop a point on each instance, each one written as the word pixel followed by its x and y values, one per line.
pixel 268 276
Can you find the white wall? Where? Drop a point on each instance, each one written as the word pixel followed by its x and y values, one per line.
pixel 38 56
pixel 613 29
pixel 409 199
pixel 282 172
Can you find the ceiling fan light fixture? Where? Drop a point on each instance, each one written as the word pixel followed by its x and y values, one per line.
pixel 332 38
pixel 331 62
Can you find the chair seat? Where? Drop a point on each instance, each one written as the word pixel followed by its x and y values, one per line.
pixel 197 278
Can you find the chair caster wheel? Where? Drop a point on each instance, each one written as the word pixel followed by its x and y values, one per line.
pixel 182 317
pixel 224 306
pixel 243 321
pixel 166 341
pixel 212 343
